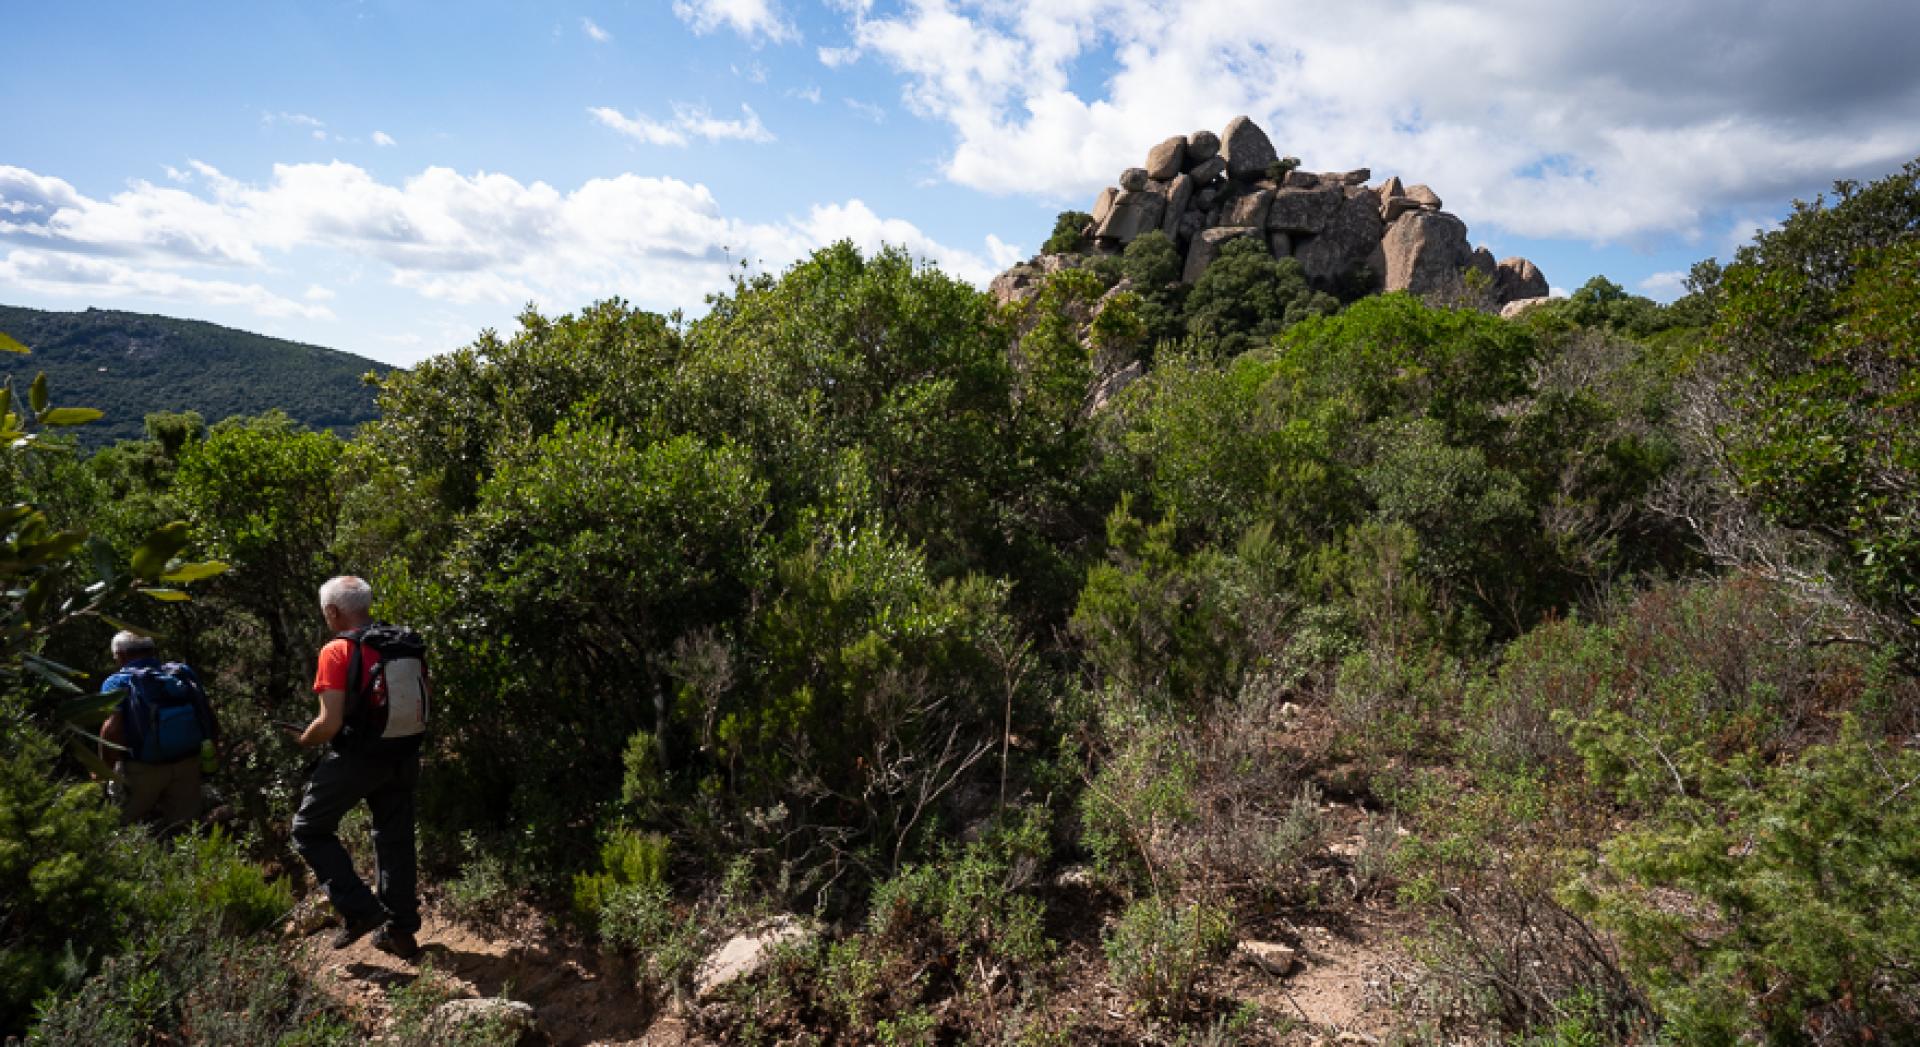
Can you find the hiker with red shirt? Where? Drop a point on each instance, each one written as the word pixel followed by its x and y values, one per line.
pixel 373 722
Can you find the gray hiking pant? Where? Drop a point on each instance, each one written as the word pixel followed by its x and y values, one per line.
pixel 171 788
pixel 387 784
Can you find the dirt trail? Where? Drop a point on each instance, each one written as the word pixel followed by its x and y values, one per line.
pixel 579 996
pixel 582 998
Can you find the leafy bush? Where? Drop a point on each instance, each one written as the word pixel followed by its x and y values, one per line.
pixel 1067 236
pixel 1778 902
pixel 627 859
pixel 1158 949
pixel 640 921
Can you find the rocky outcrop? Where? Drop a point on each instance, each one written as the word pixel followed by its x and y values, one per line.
pixel 1206 247
pixel 1203 189
pixel 1516 279
pixel 745 954
pixel 1425 252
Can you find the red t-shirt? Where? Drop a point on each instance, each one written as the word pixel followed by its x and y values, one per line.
pixel 334 660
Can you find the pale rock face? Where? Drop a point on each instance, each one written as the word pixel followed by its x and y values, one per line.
pixel 1179 195
pixel 1304 210
pixel 1391 208
pixel 1134 179
pixel 1280 244
pixel 1425 251
pixel 498 1020
pixel 1357 176
pixel 1248 208
pixel 1166 159
pixel 1247 150
pixel 1425 197
pixel 1103 204
pixel 1208 170
pixel 1391 188
pixel 1516 279
pixel 1201 147
pixel 1133 213
pixel 744 954
pixel 1297 179
pixel 1269 957
pixel 1347 241
pixel 1206 248
pixel 1520 305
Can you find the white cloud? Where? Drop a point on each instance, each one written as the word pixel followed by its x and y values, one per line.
pixel 594 32
pixel 867 110
pixel 50 272
pixel 1554 119
pixel 689 122
pixel 442 235
pixel 383 138
pixel 1002 253
pixel 1666 285
pixel 809 94
pixel 835 57
pixel 755 20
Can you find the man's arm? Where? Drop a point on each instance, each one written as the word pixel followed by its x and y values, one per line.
pixel 333 713
pixel 112 732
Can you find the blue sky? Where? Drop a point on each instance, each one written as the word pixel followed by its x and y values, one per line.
pixel 389 178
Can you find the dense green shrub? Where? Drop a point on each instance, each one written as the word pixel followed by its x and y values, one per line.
pixel 1159 948
pixel 1776 901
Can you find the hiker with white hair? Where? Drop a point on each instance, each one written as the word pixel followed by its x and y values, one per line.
pixel 162 733
pixel 372 687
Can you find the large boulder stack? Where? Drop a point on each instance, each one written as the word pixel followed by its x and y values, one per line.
pixel 1203 189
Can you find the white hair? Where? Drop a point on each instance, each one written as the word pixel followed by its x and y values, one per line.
pixel 347 594
pixel 127 643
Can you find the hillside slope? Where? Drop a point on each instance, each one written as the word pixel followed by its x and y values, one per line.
pixel 132 364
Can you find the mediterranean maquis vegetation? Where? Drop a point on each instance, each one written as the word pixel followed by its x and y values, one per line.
pixel 1539 680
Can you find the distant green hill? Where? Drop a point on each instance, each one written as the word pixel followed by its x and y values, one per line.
pixel 132 364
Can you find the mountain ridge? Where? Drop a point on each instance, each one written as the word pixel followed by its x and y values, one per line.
pixel 131 364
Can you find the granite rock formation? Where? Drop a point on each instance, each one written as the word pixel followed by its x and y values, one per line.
pixel 1204 189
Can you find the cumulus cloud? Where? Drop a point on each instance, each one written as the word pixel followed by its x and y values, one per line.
pixel 1556 119
pixel 94 278
pixel 835 57
pixel 1666 285
pixel 452 237
pixel 755 20
pixel 594 32
pixel 689 122
pixel 867 110
pixel 383 138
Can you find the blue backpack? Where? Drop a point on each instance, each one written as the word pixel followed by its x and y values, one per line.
pixel 164 714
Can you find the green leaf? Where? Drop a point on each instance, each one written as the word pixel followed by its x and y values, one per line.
pixel 71 416
pixel 167 595
pixel 8 344
pixel 6 402
pixel 14 513
pixel 103 560
pixel 90 759
pixel 150 560
pixel 129 627
pixel 59 682
pixel 37 393
pixel 69 670
pixel 194 572
pixel 85 708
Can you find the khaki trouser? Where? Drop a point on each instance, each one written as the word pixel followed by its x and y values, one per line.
pixel 172 788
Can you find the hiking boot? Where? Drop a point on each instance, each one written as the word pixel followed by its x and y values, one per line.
pixel 396 943
pixel 352 929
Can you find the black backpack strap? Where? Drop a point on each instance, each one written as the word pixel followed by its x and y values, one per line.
pixel 356 664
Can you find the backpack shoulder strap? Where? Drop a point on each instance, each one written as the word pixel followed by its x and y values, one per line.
pixel 356 664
